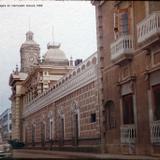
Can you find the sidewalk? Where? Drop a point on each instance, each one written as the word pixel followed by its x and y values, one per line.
pixel 86 155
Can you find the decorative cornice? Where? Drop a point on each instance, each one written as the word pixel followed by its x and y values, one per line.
pixel 68 87
pixel 80 79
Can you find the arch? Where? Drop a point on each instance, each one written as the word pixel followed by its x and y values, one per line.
pixel 83 67
pixel 88 63
pixel 94 60
pixel 75 121
pixel 50 114
pixel 74 73
pixel 74 106
pixel 43 133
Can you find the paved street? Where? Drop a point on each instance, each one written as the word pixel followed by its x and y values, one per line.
pixel 45 154
pixel 35 155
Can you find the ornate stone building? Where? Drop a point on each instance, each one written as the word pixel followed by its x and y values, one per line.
pixel 129 56
pixel 53 102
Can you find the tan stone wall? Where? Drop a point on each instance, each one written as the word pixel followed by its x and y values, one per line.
pixel 114 77
pixel 86 99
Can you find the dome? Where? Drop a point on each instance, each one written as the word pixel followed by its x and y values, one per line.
pixel 54 54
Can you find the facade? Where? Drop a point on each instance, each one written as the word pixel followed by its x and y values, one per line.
pixel 55 103
pixel 129 58
pixel 6 125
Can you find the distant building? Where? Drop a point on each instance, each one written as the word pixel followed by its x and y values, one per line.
pixel 54 102
pixel 6 125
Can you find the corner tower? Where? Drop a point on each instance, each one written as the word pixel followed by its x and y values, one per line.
pixel 29 52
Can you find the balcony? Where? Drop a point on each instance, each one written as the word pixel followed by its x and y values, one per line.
pixel 128 134
pixel 122 49
pixel 148 29
pixel 155 132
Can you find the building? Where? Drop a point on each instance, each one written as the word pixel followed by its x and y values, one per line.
pixel 53 102
pixel 129 56
pixel 6 125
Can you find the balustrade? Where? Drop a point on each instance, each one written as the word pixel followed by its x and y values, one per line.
pixel 121 48
pixel 148 27
pixel 128 134
pixel 155 132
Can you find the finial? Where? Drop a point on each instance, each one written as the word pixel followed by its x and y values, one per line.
pixel 53 44
pixel 71 61
pixel 16 72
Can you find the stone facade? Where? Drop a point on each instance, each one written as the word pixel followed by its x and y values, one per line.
pixel 55 103
pixel 68 113
pixel 128 47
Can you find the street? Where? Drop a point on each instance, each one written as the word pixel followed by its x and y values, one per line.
pixel 46 154
pixel 23 154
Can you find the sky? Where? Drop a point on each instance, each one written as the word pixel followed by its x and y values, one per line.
pixel 71 23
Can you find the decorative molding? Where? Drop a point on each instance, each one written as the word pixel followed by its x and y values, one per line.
pixel 83 78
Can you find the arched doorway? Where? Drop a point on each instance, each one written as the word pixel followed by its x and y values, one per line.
pixel 109 115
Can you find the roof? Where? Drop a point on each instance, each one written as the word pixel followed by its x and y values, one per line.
pixel 54 54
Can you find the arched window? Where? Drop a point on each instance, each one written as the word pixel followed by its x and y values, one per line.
pixel 51 129
pixel 109 114
pixel 61 130
pixel 75 121
pixel 61 126
pixel 43 133
pixel 33 134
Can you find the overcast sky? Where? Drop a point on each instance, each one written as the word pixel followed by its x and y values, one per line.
pixel 74 27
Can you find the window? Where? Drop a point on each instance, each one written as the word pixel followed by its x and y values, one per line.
pixel 75 134
pixel 123 25
pixel 93 117
pixel 10 116
pixel 156 99
pixel 128 112
pixel 10 126
pixel 51 128
pixel 33 135
pixel 61 131
pixel 121 22
pixel 43 128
